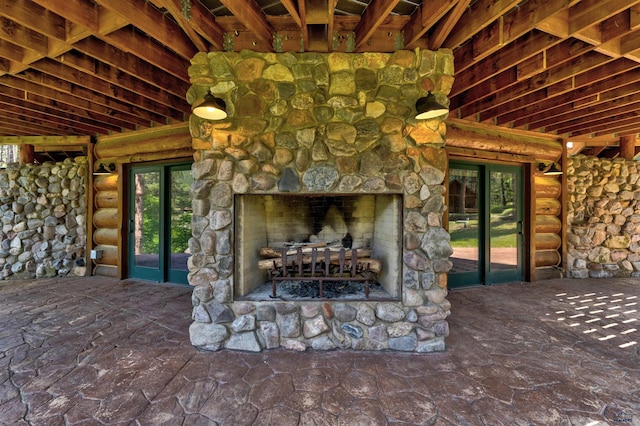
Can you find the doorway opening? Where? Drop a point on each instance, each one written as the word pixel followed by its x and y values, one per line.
pixel 159 222
pixel 485 223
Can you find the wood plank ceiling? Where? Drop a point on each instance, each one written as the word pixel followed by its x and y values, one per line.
pixel 89 67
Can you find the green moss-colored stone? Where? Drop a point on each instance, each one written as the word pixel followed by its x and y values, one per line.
pixel 302 71
pixel 403 58
pixel 221 69
pixel 278 72
pixel 388 93
pixel 323 113
pixel 321 75
pixel 366 79
pixel 427 62
pixel 391 75
pixel 349 115
pixel 286 90
pixel 279 107
pixel 342 83
pixel 410 91
pixel 367 128
pixel 444 58
pixel 375 109
pixel 307 86
pixel 444 83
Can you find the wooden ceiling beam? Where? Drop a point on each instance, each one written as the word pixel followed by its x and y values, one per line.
pixel 586 124
pixel 423 19
pixel 575 119
pixel 130 41
pixel 524 48
pixel 444 27
pixel 41 103
pixel 609 89
pixel 52 115
pixel 590 12
pixel 75 102
pixel 34 124
pixel 502 32
pixel 51 119
pixel 153 23
pixel 108 89
pixel 132 65
pixel 203 21
pixel 476 18
pixel 601 73
pixel 175 10
pixel 290 5
pixel 35 17
pixel 477 99
pixel 252 17
pixel 117 78
pixel 371 18
pixel 622 128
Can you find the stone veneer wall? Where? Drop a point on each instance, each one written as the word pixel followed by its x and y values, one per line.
pixel 43 219
pixel 320 123
pixel 603 217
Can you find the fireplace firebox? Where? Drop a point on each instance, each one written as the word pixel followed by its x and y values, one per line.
pixel 370 223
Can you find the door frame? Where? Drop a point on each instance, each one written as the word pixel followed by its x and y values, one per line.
pixel 126 208
pixel 528 202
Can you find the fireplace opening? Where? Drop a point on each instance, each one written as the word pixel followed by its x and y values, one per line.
pixel 311 228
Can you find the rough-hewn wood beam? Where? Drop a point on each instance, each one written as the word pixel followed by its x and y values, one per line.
pixel 74 112
pixel 290 5
pixel 253 18
pixel 477 17
pixel 116 78
pixel 131 41
pixel 133 66
pixel 513 25
pixel 476 100
pixel 371 18
pixel 423 19
pixel 152 22
pixel 446 24
pixel 108 89
pixel 522 49
pixel 175 10
pixel 31 15
pixel 539 103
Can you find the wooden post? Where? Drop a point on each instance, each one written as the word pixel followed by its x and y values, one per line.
pixel 26 154
pixel 628 147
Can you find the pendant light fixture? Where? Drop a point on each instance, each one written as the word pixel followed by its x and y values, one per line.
pixel 550 169
pixel 211 108
pixel 427 107
pixel 104 169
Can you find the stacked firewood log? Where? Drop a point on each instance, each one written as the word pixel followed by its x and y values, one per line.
pixel 272 257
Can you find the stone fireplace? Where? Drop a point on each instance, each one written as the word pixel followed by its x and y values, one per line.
pixel 320 149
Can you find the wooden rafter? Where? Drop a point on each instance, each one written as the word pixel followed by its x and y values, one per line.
pixel 252 17
pixel 373 15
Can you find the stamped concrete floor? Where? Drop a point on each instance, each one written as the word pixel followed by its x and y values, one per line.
pixel 94 351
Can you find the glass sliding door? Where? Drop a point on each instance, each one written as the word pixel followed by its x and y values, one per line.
pixel 466 225
pixel 485 224
pixel 159 222
pixel 505 225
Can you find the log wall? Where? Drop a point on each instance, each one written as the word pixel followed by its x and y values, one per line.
pixel 106 223
pixel 544 192
pixel 161 144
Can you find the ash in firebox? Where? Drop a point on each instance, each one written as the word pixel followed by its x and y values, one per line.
pixel 330 290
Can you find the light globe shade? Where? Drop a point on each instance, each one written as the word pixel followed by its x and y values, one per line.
pixel 427 107
pixel 211 108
